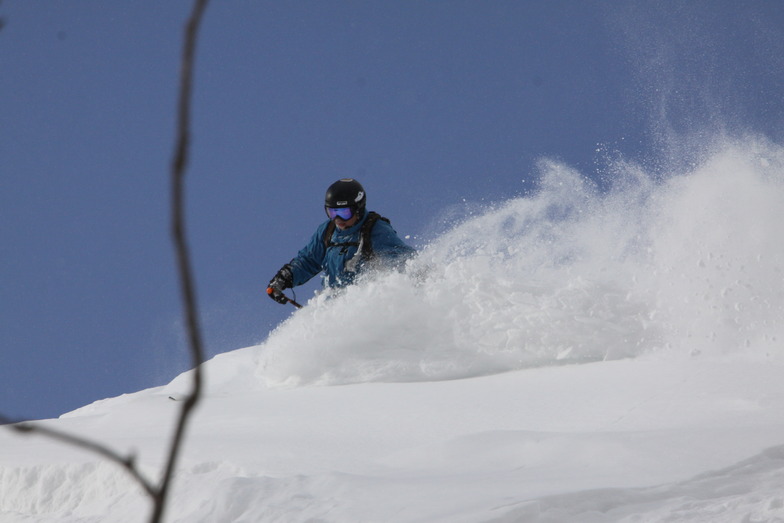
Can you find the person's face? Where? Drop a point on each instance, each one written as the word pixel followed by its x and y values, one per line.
pixel 342 224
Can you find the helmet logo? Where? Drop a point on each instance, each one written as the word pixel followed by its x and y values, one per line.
pixel 359 197
pixel 341 204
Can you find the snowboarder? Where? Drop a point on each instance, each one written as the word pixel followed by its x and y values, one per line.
pixel 352 240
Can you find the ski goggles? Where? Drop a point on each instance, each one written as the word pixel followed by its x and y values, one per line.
pixel 344 213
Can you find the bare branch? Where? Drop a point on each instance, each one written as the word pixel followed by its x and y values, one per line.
pixel 128 462
pixel 159 494
pixel 183 260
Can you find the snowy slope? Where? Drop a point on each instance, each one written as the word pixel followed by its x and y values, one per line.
pixel 567 356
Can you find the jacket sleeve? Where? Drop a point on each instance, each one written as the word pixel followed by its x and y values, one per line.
pixel 388 245
pixel 309 260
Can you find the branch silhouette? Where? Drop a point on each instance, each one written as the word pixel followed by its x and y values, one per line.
pixel 158 494
pixel 181 247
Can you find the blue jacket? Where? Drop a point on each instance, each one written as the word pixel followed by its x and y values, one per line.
pixel 338 263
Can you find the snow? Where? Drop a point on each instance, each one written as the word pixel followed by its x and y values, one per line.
pixel 570 355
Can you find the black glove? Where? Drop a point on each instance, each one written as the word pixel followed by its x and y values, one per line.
pixel 284 279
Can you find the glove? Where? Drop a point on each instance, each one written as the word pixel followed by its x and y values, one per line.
pixel 284 279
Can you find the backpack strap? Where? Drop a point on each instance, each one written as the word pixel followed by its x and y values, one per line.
pixel 366 232
pixel 328 234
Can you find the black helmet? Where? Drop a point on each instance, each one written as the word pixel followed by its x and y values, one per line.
pixel 346 193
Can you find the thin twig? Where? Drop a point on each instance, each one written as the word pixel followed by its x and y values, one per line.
pixel 183 259
pixel 128 462
pixel 159 494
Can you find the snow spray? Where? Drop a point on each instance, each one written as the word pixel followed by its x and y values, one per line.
pixel 684 265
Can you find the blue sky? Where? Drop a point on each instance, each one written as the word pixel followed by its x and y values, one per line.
pixel 436 107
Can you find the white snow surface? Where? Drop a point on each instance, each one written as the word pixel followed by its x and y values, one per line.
pixel 569 355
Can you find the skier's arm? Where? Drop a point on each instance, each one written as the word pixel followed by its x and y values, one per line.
pixel 388 245
pixel 308 261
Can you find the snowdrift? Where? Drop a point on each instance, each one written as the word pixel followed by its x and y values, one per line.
pixel 575 354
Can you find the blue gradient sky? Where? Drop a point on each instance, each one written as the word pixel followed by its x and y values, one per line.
pixel 438 108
